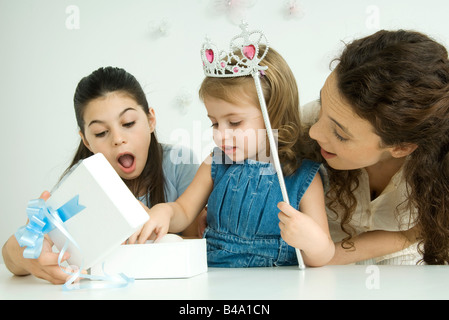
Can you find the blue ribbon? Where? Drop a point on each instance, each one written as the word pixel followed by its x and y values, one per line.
pixel 40 223
pixel 43 219
pixel 32 234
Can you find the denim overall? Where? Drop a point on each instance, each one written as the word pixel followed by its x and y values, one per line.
pixel 242 214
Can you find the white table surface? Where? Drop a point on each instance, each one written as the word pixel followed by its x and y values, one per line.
pixel 285 283
pixel 282 283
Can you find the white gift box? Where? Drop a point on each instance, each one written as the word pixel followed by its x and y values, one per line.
pixel 180 259
pixel 110 215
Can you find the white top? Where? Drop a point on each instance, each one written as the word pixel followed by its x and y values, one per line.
pixel 387 212
pixel 379 214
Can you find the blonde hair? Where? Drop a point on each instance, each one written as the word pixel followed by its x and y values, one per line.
pixel 282 99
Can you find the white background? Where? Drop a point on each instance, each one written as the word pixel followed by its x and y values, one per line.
pixel 47 46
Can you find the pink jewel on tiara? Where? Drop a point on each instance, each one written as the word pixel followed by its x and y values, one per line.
pixel 249 51
pixel 209 55
pixel 242 58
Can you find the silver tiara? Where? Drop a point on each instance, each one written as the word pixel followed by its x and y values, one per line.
pixel 222 64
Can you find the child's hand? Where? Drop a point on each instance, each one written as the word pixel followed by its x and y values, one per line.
pixel 156 227
pixel 44 267
pixel 299 230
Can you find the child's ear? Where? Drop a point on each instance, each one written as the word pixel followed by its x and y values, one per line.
pixel 152 119
pixel 86 143
pixel 403 150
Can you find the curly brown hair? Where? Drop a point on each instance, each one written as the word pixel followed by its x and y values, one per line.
pixel 399 82
pixel 281 96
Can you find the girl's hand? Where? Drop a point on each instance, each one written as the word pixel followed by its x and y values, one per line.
pixel 156 227
pixel 299 230
pixel 45 267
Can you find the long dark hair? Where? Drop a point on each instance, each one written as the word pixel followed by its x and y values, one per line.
pixel 399 82
pixel 98 84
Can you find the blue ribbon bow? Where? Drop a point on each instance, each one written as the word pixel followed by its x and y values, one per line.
pixel 40 223
pixel 43 219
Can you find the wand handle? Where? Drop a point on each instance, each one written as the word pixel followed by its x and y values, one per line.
pixel 274 153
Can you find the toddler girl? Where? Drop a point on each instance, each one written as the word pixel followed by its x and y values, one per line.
pixel 238 181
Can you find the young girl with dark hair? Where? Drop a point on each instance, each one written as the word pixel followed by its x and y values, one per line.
pixel 148 170
pixel 114 119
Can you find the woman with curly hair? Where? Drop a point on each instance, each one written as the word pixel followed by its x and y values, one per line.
pixel 383 135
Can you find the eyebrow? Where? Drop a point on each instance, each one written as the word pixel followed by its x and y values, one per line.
pixel 226 115
pixel 121 114
pixel 345 130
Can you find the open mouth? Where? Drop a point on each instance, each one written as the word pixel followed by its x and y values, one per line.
pixel 127 162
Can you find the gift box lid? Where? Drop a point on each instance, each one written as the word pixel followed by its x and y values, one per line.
pixel 110 212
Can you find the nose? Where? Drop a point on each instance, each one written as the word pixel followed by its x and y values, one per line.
pixel 118 138
pixel 316 133
pixel 222 134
